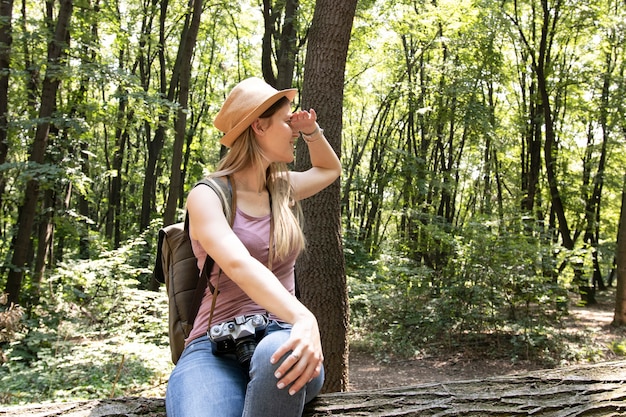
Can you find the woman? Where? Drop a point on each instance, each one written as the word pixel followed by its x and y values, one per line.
pixel 254 311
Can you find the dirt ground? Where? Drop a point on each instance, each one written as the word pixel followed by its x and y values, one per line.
pixel 590 323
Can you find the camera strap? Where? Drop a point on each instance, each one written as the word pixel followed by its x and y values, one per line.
pixel 214 290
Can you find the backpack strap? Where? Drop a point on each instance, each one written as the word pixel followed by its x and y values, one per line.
pixel 225 193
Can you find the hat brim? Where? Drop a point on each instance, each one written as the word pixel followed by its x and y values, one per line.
pixel 229 138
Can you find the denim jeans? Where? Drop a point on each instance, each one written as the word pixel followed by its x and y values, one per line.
pixel 205 385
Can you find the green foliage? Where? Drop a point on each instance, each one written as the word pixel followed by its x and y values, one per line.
pixel 440 104
pixel 492 293
pixel 618 347
pixel 95 335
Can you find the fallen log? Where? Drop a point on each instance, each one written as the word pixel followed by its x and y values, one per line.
pixel 593 390
pixel 588 390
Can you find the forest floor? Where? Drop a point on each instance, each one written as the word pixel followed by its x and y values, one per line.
pixel 593 339
pixel 590 323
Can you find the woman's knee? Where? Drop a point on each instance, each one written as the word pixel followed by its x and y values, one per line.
pixel 203 384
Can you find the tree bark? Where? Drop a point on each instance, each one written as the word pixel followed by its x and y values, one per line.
pixel 587 391
pixel 321 271
pixel 591 390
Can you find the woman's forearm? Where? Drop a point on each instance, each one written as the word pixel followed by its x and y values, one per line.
pixel 321 153
pixel 262 286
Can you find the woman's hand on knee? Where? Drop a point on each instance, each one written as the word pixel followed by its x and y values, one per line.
pixel 302 354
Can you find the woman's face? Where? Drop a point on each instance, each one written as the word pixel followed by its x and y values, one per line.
pixel 277 138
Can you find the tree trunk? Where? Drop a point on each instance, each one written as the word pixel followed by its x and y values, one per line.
pixel 280 44
pixel 550 134
pixel 115 181
pixel 6 39
pixel 56 51
pixel 83 205
pixel 531 146
pixel 321 271
pixel 619 318
pixel 156 144
pixel 591 390
pixel 44 242
pixel 186 48
pixel 598 184
pixel 594 390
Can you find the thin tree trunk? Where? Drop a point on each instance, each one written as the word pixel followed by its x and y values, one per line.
pixel 595 200
pixel 115 186
pixel 6 39
pixel 548 122
pixel 284 40
pixel 186 48
pixel 619 318
pixel 83 205
pixel 156 144
pixel 531 150
pixel 115 181
pixel 44 240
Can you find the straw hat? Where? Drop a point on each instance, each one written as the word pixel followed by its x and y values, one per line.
pixel 245 103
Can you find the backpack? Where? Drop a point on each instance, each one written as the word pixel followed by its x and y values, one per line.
pixel 177 267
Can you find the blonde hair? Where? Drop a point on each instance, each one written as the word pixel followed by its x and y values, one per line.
pixel 286 210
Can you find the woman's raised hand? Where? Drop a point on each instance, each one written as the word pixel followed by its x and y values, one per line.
pixel 303 121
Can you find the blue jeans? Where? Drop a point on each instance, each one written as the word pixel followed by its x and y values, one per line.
pixel 205 385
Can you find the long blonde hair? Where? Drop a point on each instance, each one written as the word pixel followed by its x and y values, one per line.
pixel 286 210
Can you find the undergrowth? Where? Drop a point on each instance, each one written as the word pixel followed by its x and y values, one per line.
pixel 490 298
pixel 96 334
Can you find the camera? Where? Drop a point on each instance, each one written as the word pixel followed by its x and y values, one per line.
pixel 239 336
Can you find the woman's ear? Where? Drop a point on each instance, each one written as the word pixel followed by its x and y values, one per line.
pixel 259 127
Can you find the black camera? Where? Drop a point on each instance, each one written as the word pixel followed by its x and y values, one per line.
pixel 239 336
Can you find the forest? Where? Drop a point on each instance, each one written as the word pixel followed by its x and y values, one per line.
pixel 483 178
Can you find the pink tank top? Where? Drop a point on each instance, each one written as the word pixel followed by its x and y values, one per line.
pixel 231 301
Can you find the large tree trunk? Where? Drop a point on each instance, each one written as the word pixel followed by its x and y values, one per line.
pixel 591 390
pixel 321 271
pixel 21 246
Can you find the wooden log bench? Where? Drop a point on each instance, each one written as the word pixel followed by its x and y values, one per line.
pixel 587 390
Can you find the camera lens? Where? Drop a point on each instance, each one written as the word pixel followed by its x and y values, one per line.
pixel 244 351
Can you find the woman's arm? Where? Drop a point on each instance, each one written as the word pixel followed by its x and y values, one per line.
pixel 208 225
pixel 326 166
